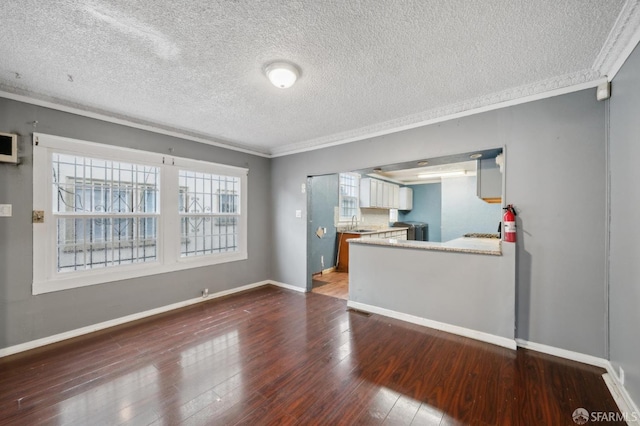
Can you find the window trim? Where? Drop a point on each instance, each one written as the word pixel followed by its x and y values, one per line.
pixel 46 279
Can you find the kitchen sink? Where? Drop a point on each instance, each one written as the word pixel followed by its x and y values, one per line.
pixel 360 231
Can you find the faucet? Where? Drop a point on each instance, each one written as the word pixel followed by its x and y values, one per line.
pixel 354 218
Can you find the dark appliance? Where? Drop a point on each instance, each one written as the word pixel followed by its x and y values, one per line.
pixel 418 231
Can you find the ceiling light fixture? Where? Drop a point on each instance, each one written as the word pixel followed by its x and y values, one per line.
pixel 434 175
pixel 475 156
pixel 422 163
pixel 281 74
pixel 377 170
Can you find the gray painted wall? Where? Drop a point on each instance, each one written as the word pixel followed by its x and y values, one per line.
pixel 324 199
pixel 24 317
pixel 555 154
pixel 624 278
pixel 463 212
pixel 429 284
pixel 427 206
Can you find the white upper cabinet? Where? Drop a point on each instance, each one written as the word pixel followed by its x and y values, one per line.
pixel 377 194
pixel 489 181
pixel 406 199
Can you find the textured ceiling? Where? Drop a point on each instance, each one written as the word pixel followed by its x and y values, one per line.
pixel 196 66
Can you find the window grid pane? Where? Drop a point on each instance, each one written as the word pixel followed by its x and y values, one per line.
pixel 84 186
pixel 349 195
pixel 210 207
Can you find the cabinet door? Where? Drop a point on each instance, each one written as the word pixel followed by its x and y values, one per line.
pixel 385 195
pixel 380 194
pixel 367 192
pixel 395 204
pixel 489 181
pixel 375 185
pixel 406 199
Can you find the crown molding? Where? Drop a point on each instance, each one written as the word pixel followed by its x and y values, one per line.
pixel 64 106
pixel 555 86
pixel 540 90
pixel 622 39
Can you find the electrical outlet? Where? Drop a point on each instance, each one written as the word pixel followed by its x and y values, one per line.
pixel 5 210
pixel 205 292
pixel 621 376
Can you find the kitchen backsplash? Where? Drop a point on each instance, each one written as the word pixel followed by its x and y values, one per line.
pixel 378 218
pixel 369 219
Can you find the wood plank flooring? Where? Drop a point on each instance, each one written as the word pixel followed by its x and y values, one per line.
pixel 334 284
pixel 273 356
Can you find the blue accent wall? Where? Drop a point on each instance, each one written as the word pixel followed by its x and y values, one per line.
pixel 324 199
pixel 427 205
pixel 464 212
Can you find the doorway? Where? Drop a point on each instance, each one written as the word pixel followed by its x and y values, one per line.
pixel 322 237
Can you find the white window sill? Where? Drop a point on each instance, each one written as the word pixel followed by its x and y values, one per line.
pixel 106 275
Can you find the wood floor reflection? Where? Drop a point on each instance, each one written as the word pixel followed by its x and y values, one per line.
pixel 273 356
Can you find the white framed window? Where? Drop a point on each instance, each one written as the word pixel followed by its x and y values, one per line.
pixel 209 211
pixel 349 196
pixel 114 213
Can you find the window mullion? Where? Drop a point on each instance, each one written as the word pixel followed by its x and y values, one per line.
pixel 169 221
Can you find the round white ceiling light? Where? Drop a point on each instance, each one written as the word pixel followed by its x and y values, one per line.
pixel 281 74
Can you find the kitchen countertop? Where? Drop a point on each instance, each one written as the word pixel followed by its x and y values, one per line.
pixel 373 231
pixel 490 246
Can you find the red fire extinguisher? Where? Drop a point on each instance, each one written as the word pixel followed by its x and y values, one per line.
pixel 509 227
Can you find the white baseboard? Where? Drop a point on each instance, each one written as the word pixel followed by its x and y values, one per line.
pixel 454 329
pixel 11 350
pixel 622 398
pixel 617 390
pixel 563 353
pixel 619 393
pixel 287 286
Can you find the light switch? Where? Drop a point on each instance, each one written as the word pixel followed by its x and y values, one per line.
pixel 298 213
pixel 5 210
pixel 303 188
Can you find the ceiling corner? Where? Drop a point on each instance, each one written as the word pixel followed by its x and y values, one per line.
pixel 622 39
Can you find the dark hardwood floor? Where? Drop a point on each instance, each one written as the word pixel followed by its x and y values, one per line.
pixel 273 356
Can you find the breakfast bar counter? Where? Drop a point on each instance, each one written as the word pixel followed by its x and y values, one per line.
pixel 464 286
pixel 490 246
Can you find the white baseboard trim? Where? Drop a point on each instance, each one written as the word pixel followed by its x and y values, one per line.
pixel 617 390
pixel 287 286
pixel 454 329
pixel 622 398
pixel 11 350
pixel 563 353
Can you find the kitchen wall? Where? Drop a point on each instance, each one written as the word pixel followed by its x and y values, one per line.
pixel 555 156
pixel 24 317
pixel 624 276
pixel 463 211
pixel 427 208
pixel 324 200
